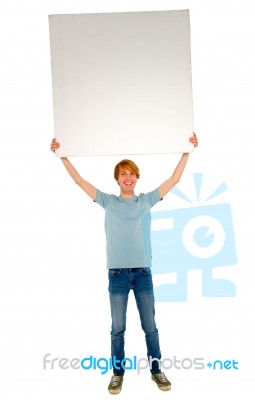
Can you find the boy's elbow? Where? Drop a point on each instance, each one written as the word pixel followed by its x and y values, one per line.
pixel 176 180
pixel 78 182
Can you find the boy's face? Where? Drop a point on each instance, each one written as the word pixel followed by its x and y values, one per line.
pixel 127 180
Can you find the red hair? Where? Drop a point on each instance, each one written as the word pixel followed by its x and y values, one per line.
pixel 126 164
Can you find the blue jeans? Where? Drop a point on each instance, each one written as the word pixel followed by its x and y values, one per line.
pixel 140 281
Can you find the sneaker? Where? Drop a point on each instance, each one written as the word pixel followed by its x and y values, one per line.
pixel 161 380
pixel 115 385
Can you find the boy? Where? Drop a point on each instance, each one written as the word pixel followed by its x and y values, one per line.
pixel 128 249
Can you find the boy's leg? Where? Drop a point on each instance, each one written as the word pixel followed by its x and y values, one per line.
pixel 118 292
pixel 143 291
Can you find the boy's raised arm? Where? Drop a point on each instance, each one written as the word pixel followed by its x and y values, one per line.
pixel 178 171
pixel 89 189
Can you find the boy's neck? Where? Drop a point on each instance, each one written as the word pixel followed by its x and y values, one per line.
pixel 127 195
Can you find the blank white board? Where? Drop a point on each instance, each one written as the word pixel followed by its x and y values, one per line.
pixel 121 82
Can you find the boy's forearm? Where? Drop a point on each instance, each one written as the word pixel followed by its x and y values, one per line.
pixel 71 170
pixel 84 185
pixel 175 177
pixel 179 169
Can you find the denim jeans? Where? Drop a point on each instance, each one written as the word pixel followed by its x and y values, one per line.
pixel 140 281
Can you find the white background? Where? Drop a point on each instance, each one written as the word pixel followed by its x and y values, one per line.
pixel 53 284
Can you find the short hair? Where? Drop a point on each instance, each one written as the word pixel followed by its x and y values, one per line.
pixel 126 164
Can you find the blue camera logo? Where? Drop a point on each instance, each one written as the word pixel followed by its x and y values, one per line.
pixel 198 237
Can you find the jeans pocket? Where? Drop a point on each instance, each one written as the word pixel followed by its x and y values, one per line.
pixel 146 271
pixel 114 271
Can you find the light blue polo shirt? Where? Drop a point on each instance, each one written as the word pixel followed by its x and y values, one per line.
pixel 128 228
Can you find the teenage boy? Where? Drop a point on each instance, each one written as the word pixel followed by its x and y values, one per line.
pixel 128 249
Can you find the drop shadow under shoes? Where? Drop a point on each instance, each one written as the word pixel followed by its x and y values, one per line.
pixel 161 380
pixel 115 384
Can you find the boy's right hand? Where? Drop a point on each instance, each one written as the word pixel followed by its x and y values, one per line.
pixel 54 145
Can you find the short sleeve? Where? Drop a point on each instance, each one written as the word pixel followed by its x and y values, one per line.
pixel 102 198
pixel 153 197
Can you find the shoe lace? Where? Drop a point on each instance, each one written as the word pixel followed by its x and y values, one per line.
pixel 115 380
pixel 162 377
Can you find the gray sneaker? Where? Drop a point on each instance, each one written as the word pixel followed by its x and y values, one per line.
pixel 115 384
pixel 161 380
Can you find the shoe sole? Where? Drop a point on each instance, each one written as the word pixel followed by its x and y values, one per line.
pixel 165 388
pixel 117 391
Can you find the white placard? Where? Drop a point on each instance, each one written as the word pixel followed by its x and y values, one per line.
pixel 122 82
